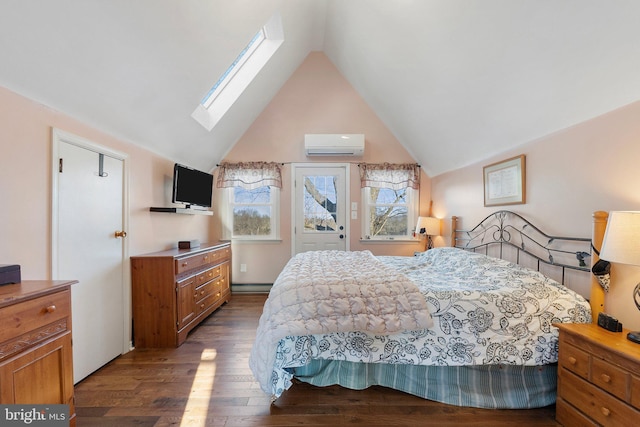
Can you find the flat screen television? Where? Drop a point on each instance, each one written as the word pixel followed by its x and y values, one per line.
pixel 191 186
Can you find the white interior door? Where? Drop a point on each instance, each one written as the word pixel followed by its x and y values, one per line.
pixel 90 197
pixel 319 210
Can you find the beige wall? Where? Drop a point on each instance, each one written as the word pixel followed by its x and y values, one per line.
pixel 25 188
pixel 316 99
pixel 570 174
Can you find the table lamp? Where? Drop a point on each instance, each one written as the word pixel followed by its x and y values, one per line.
pixel 428 226
pixel 621 244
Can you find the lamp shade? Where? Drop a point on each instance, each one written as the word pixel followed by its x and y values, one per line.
pixel 621 242
pixel 431 225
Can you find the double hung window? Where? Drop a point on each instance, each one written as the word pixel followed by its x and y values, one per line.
pixel 253 212
pixel 390 200
pixel 252 200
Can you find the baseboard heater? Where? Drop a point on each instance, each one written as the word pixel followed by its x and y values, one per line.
pixel 251 287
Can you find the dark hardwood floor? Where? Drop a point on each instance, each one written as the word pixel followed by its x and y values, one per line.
pixel 207 382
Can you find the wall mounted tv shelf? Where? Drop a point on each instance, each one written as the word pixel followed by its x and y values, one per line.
pixel 182 211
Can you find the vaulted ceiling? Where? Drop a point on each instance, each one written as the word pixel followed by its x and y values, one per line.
pixel 456 81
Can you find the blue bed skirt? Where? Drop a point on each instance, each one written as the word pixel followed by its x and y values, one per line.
pixel 486 386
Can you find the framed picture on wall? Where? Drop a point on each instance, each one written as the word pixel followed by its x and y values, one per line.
pixel 504 182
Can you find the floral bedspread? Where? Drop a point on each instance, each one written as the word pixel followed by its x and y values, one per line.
pixel 321 292
pixel 486 311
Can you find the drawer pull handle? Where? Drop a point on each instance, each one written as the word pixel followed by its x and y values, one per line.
pixel 605 411
pixel 572 360
pixel 50 309
pixel 184 264
pixel 606 378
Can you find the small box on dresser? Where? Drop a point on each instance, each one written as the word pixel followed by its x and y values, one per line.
pixel 598 377
pixel 9 274
pixel 174 290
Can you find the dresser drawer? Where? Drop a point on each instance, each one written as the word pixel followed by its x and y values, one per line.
pixel 635 391
pixel 568 416
pixel 205 303
pixel 204 290
pixel 209 299
pixel 224 254
pixel 34 314
pixel 207 275
pixel 609 377
pixel 575 360
pixel 208 294
pixel 598 405
pixel 217 289
pixel 195 261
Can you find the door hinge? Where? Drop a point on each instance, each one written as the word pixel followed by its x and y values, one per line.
pixel 60 165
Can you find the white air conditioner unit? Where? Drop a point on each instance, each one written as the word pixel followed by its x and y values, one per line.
pixel 334 144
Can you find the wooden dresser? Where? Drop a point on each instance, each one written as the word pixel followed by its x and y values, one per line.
pixel 36 358
pixel 174 290
pixel 598 377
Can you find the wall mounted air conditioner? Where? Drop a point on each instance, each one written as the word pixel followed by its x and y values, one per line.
pixel 334 144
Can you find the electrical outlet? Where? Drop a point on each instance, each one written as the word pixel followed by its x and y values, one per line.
pixel 354 206
pixel 243 268
pixel 354 214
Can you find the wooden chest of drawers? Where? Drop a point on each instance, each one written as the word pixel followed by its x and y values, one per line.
pixel 36 358
pixel 598 377
pixel 174 290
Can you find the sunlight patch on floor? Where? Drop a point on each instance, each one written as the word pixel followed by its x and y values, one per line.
pixel 197 407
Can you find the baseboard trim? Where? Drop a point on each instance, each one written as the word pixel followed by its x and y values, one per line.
pixel 251 287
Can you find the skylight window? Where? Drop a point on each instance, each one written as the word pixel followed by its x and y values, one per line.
pixel 226 91
pixel 233 68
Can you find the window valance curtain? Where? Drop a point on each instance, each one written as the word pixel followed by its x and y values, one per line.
pixel 249 175
pixel 389 175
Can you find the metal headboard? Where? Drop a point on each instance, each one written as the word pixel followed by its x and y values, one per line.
pixel 508 229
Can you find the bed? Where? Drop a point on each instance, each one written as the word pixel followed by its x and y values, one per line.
pixel 454 325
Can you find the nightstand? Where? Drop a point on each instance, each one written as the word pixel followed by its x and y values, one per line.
pixel 598 377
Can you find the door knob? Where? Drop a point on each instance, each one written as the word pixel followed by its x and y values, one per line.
pixel 342 236
pixel 120 234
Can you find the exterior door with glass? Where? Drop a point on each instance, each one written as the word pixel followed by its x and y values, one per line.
pixel 319 200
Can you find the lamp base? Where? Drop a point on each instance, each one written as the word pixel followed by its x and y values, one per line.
pixel 634 336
